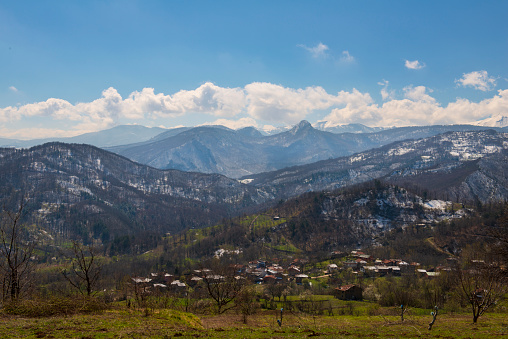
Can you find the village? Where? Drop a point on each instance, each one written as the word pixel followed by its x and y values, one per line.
pixel 359 265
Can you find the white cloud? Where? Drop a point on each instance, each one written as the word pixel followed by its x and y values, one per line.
pixel 262 102
pixel 35 133
pixel 268 128
pixel 356 107
pixel 347 58
pixel 317 51
pixel 465 111
pixel 271 102
pixel 385 92
pixel 13 89
pixel 417 108
pixel 478 80
pixel 208 98
pixel 233 124
pixel 110 108
pixel 414 64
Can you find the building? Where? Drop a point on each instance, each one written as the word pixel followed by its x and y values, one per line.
pixel 299 278
pixel 349 292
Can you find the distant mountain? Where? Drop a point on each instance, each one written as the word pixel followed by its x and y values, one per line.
pixel 348 128
pixel 461 165
pixel 495 121
pixel 328 127
pixel 83 191
pixel 119 135
pixel 80 191
pixel 206 149
pixel 213 149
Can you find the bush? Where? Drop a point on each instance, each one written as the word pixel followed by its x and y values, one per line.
pixel 55 306
pixel 373 310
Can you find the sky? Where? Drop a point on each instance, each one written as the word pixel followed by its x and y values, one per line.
pixel 71 67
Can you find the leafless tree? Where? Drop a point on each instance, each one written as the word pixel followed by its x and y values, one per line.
pixel 434 317
pixel 275 290
pixel 499 234
pixel 246 302
pixel 16 249
pixel 482 285
pixel 222 284
pixel 85 269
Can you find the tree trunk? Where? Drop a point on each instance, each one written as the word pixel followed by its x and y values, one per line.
pixel 14 285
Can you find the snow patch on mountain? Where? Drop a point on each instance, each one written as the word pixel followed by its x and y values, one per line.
pixel 437 204
pixel 493 121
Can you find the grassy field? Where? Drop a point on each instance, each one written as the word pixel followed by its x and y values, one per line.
pixel 169 324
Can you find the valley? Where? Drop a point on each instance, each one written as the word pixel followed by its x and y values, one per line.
pixel 400 216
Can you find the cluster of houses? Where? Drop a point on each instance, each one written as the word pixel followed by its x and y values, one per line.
pixel 265 272
pixel 371 267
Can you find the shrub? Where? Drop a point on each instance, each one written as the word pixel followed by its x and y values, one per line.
pixel 51 306
pixel 373 309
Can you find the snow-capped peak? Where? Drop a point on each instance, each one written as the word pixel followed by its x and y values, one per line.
pixel 494 121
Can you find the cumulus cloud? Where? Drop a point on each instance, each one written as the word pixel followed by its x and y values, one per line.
pixel 414 64
pixel 478 80
pixel 466 111
pixel 208 98
pixel 13 89
pixel 255 103
pixel 417 107
pixel 317 51
pixel 111 107
pixel 271 102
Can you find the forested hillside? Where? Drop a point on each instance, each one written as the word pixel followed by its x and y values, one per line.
pixel 388 219
pixel 82 192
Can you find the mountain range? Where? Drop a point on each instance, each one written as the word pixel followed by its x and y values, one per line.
pixel 238 153
pixel 132 134
pixel 80 190
pixel 119 135
pixel 494 121
pixel 463 166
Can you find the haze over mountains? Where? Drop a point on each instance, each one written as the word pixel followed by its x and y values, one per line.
pixel 119 135
pixel 238 153
pixel 78 189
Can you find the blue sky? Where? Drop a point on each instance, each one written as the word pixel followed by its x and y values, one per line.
pixel 68 67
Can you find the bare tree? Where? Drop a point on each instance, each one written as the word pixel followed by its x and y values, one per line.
pixel 246 302
pixel 85 269
pixel 222 284
pixel 434 317
pixel 275 290
pixel 499 234
pixel 482 285
pixel 16 249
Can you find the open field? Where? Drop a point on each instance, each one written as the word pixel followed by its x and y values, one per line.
pixel 169 324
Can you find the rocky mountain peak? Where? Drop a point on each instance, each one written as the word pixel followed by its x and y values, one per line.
pixel 303 125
